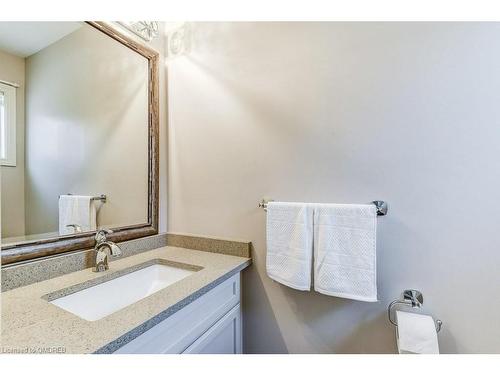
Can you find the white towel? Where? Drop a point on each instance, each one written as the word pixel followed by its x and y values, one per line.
pixel 345 251
pixel 76 210
pixel 289 244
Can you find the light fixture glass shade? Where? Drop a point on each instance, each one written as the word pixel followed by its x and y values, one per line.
pixel 147 30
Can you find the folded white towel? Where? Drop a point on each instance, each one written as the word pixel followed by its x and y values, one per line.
pixel 289 244
pixel 345 251
pixel 79 210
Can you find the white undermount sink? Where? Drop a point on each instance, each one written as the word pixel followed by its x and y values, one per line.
pixel 103 299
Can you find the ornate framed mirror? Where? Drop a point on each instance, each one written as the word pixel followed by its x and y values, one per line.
pixel 84 123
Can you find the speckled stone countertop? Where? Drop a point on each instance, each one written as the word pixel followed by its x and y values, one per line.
pixel 31 324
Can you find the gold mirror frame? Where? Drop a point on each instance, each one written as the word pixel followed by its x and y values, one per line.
pixel 41 248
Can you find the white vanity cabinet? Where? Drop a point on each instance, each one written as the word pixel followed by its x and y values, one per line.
pixel 211 324
pixel 224 337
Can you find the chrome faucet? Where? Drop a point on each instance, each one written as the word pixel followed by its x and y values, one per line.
pixel 101 255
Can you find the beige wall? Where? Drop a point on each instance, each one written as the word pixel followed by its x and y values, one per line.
pixel 347 112
pixel 12 178
pixel 86 129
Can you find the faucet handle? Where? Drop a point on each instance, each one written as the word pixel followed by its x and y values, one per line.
pixel 100 235
pixel 115 249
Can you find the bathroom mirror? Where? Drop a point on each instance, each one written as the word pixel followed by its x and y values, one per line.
pixel 79 137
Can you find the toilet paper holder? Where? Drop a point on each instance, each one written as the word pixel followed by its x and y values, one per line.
pixel 411 298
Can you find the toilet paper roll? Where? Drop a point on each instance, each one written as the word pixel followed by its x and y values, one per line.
pixel 416 334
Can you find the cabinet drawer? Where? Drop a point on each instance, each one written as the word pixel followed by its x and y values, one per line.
pixel 181 329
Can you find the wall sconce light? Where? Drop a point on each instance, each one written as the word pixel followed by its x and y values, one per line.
pixel 147 30
pixel 179 40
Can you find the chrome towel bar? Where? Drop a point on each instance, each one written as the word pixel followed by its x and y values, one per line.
pixel 380 205
pixel 101 198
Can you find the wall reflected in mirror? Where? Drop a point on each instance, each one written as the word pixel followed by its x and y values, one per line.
pixel 74 126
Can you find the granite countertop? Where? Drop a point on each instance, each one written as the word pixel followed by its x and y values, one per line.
pixel 31 324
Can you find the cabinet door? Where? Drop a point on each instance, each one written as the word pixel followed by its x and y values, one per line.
pixel 224 337
pixel 180 330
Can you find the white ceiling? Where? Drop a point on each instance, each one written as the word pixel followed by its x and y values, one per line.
pixel 26 38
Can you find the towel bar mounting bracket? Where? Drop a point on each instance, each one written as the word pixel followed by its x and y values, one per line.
pixel 381 207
